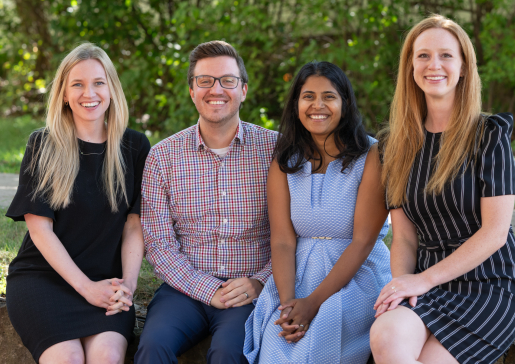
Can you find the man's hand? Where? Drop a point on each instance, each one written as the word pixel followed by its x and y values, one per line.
pixel 215 301
pixel 240 291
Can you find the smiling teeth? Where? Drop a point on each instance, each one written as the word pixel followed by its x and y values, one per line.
pixel 216 102
pixel 318 117
pixel 435 78
pixel 90 104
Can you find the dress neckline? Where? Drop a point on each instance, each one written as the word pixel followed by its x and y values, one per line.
pixel 430 133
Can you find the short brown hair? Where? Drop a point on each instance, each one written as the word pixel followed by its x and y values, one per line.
pixel 215 48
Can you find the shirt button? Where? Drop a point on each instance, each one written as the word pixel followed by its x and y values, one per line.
pixel 225 221
pixel 221 164
pixel 222 267
pixel 223 193
pixel 222 242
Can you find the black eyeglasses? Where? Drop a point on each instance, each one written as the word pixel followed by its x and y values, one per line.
pixel 204 81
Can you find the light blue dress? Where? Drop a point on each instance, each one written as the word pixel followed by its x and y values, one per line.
pixel 322 206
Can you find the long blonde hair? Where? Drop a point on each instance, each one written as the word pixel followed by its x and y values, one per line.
pixel 404 136
pixel 56 162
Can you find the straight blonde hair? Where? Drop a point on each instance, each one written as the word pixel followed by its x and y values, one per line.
pixel 404 137
pixel 56 162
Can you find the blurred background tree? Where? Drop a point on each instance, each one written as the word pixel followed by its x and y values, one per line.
pixel 149 42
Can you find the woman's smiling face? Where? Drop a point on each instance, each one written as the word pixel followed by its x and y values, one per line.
pixel 437 63
pixel 87 91
pixel 320 106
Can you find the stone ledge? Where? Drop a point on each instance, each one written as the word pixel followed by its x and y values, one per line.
pixel 12 350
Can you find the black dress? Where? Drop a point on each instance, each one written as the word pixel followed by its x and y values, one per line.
pixel 43 308
pixel 473 316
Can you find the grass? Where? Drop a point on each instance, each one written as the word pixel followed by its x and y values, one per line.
pixel 11 235
pixel 13 139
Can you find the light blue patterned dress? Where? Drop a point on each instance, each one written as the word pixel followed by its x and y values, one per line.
pixel 322 206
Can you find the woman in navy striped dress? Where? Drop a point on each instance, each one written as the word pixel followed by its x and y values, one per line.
pixel 450 179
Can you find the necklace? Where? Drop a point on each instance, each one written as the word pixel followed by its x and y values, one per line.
pixel 92 153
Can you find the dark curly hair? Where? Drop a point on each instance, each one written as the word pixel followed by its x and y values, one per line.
pixel 295 142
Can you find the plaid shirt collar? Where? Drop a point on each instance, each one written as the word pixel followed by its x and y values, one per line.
pixel 238 137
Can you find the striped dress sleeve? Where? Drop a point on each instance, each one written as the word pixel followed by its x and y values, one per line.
pixel 496 168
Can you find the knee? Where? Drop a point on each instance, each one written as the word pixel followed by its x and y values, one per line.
pixel 73 357
pixel 107 355
pixel 153 346
pixel 381 337
pixel 226 352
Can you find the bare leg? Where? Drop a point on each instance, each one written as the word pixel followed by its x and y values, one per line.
pixel 434 352
pixel 66 352
pixel 398 336
pixel 105 348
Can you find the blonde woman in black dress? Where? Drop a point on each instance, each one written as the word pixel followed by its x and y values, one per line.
pixel 69 290
pixel 450 171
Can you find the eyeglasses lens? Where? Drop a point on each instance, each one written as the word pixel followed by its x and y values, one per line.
pixel 209 81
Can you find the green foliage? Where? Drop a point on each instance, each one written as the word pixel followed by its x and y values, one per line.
pixel 150 40
pixel 13 138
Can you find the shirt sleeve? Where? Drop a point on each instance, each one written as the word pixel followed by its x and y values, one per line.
pixel 162 249
pixel 496 168
pixel 265 273
pixel 24 201
pixel 138 174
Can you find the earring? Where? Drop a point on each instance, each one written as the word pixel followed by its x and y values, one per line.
pixel 66 103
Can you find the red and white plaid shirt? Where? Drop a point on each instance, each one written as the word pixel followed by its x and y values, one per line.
pixel 205 217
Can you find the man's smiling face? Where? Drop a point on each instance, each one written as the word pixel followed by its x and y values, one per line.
pixel 217 104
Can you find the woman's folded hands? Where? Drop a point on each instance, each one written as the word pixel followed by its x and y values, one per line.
pixel 296 317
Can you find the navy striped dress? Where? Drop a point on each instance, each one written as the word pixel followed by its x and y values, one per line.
pixel 473 316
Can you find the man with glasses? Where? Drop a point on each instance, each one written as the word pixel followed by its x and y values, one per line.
pixel 204 218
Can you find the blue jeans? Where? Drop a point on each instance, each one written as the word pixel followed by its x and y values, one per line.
pixel 176 322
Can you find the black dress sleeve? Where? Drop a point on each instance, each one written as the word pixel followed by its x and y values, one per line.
pixel 24 201
pixel 496 168
pixel 144 148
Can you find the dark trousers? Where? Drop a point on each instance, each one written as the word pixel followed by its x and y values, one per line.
pixel 176 322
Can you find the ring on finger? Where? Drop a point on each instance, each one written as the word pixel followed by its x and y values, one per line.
pixel 301 326
pixel 246 294
pixel 393 287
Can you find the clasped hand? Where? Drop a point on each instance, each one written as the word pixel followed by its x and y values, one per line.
pixel 296 316
pixel 110 294
pixel 236 292
pixel 407 286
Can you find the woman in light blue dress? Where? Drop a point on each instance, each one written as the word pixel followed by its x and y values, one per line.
pixel 327 219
